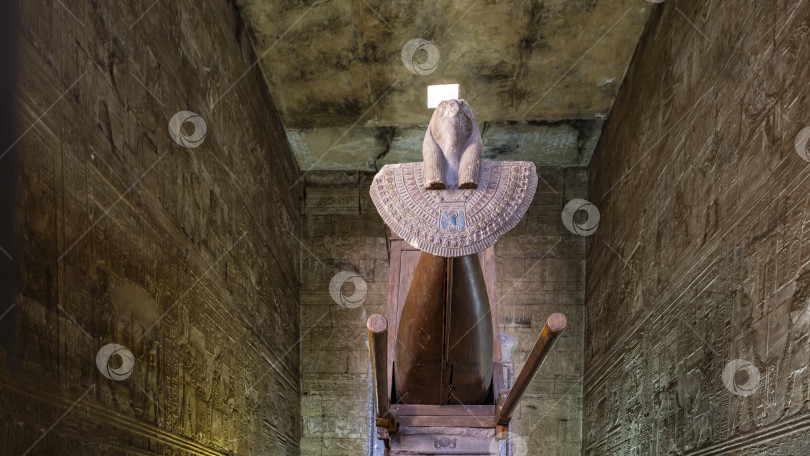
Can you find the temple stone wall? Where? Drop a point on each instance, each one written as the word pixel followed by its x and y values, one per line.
pixel 341 232
pixel 701 255
pixel 541 270
pixel 184 256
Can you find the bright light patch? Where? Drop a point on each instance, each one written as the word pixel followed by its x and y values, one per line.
pixel 441 92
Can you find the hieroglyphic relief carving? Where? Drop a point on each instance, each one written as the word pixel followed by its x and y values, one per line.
pixel 722 255
pixel 754 304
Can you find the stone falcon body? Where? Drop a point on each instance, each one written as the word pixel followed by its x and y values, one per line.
pixel 451 206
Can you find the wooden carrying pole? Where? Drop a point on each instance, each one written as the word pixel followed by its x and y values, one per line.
pixel 555 325
pixel 378 349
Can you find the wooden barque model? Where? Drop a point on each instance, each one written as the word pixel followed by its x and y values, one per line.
pixel 439 378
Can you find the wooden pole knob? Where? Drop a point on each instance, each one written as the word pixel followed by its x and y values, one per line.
pixel 377 324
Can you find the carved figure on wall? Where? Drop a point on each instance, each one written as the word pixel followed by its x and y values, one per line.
pixel 797 349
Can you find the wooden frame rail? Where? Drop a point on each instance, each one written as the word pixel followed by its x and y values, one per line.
pixel 377 327
pixel 554 326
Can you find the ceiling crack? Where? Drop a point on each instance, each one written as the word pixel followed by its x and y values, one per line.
pixel 386 136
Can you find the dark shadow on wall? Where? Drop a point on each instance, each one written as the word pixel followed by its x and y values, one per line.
pixel 8 163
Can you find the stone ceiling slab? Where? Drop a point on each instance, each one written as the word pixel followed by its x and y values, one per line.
pixel 339 64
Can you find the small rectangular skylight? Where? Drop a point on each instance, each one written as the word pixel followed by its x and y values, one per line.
pixel 438 93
